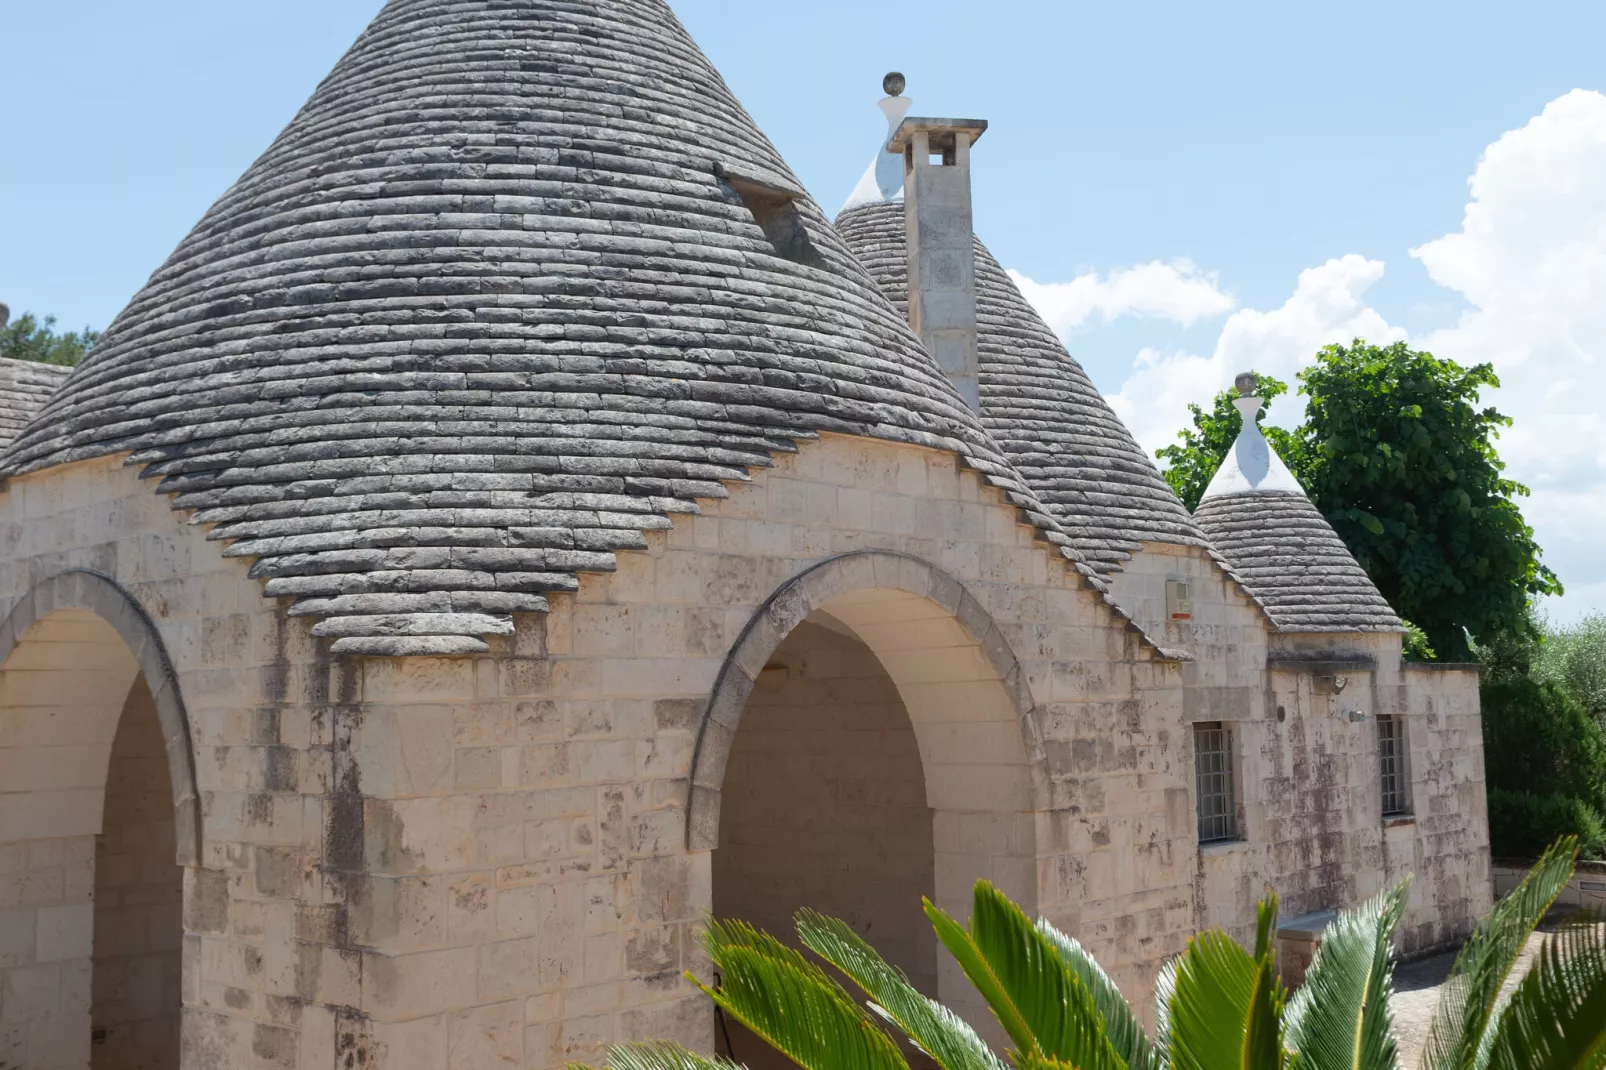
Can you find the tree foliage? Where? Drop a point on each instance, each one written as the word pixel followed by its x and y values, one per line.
pixel 1401 461
pixel 1545 761
pixel 1574 658
pixel 1398 456
pixel 26 338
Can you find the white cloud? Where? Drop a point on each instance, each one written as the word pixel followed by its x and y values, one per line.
pixel 1530 262
pixel 1530 258
pixel 1327 305
pixel 1176 291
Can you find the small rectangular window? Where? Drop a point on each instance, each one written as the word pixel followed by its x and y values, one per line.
pixel 1391 765
pixel 1218 803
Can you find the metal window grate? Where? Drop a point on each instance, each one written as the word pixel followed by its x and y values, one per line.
pixel 1218 808
pixel 1391 764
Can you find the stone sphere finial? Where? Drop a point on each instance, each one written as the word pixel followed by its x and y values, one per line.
pixel 1246 382
pixel 893 84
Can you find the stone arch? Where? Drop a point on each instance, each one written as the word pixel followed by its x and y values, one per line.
pixel 92 607
pixel 832 586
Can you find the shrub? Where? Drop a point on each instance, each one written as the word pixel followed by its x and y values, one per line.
pixel 1522 823
pixel 1538 737
pixel 1546 757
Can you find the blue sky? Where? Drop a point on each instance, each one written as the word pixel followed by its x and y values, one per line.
pixel 1227 147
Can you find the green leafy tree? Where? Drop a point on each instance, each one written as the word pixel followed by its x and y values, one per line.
pixel 1218 1005
pixel 26 338
pixel 1399 458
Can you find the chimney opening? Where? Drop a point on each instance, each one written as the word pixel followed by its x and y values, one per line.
pixel 775 210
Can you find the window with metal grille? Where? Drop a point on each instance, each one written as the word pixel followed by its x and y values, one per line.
pixel 1218 805
pixel 1391 765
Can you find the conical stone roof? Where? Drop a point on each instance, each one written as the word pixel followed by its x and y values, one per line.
pixel 1280 546
pixel 1040 406
pixel 493 304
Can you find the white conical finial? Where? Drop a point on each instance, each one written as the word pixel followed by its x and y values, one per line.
pixel 883 179
pixel 1251 465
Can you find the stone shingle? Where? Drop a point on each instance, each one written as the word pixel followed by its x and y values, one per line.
pixel 491 269
pixel 1042 409
pixel 25 386
pixel 1290 558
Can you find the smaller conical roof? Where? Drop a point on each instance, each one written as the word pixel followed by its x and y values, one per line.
pixel 1259 518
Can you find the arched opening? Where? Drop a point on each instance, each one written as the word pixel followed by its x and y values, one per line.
pixel 135 993
pixel 870 740
pixel 97 820
pixel 825 801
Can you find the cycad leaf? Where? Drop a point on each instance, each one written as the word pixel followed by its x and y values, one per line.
pixel 1265 925
pixel 1556 1018
pixel 1038 998
pixel 791 1004
pixel 935 1029
pixel 1469 996
pixel 1165 990
pixel 956 938
pixel 1263 1032
pixel 659 1055
pixel 1341 1019
pixel 1219 993
pixel 1120 1024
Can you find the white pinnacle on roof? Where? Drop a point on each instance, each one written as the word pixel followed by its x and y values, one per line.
pixel 883 179
pixel 1251 465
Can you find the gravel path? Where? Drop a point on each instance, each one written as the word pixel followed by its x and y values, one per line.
pixel 1416 993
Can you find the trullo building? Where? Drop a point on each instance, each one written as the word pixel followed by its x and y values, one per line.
pixel 516 522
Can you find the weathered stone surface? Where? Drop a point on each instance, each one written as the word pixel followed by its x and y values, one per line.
pixel 487 306
pixel 25 386
pixel 1294 563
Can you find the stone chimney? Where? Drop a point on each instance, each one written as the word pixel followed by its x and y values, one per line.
pixel 941 239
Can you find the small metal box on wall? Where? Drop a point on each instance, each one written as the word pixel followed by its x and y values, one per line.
pixel 1178 600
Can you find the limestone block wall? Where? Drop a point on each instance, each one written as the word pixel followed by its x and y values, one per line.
pixel 529 890
pixel 1445 846
pixel 489 860
pixel 1307 760
pixel 263 933
pixel 135 992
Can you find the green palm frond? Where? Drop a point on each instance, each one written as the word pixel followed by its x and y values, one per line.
pixel 1469 997
pixel 1225 1008
pixel 659 1055
pixel 1120 1024
pixel 1556 1018
pixel 1165 990
pixel 1265 925
pixel 1340 1019
pixel 790 1003
pixel 935 1029
pixel 1040 1000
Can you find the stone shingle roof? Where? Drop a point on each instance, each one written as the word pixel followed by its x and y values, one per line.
pixel 25 386
pixel 1293 562
pixel 1279 545
pixel 489 308
pixel 1041 407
